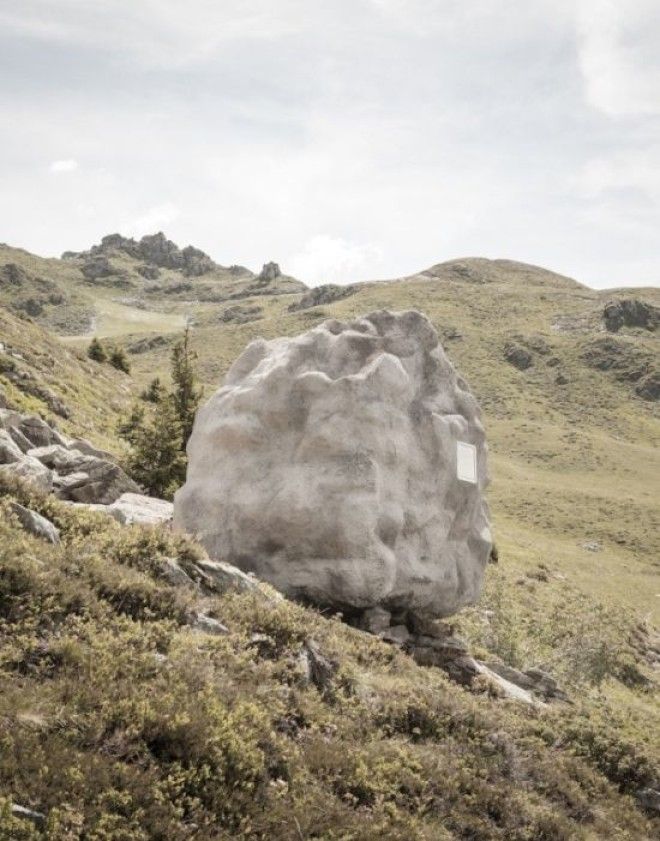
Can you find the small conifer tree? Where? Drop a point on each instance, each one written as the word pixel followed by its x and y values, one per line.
pixel 154 392
pixel 158 436
pixel 157 461
pixel 96 351
pixel 186 395
pixel 119 361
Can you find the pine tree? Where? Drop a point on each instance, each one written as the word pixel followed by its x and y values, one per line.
pixel 154 392
pixel 186 395
pixel 157 461
pixel 119 361
pixel 129 429
pixel 158 436
pixel 96 351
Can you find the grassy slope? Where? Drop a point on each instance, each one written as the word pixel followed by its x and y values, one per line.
pixel 121 723
pixel 121 305
pixel 97 395
pixel 570 463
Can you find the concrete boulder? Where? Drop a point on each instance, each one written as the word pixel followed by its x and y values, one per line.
pixel 347 467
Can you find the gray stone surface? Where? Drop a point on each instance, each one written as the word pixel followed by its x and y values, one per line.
pixel 31 470
pixel 327 465
pixel 137 508
pixel 35 523
pixel 10 452
pixel 207 625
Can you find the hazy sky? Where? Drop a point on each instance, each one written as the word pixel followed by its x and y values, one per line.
pixel 345 139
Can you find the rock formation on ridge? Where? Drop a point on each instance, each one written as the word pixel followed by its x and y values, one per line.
pixel 329 465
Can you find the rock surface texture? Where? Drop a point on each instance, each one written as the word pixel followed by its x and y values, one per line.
pixel 328 465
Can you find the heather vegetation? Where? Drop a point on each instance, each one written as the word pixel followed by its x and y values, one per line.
pixel 118 720
pixel 121 720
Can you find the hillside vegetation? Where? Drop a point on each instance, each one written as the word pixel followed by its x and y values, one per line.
pixel 119 721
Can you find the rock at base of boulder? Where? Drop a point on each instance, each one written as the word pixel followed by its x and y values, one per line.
pixel 137 508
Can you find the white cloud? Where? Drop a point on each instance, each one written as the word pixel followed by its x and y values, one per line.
pixel 154 219
pixel 618 55
pixel 67 165
pixel 162 32
pixel 326 259
pixel 635 169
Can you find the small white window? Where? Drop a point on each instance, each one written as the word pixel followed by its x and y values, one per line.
pixel 466 462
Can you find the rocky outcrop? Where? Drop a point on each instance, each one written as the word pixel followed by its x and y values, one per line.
pixel 325 294
pixel 347 467
pixel 155 250
pixel 269 272
pixel 73 468
pixel 630 312
pixel 622 357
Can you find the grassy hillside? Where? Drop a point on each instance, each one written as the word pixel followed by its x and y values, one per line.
pixel 119 721
pixel 390 750
pixel 122 284
pixel 40 375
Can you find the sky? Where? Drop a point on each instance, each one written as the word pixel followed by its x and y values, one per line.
pixel 344 139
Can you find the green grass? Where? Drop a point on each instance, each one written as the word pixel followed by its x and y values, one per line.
pixel 118 722
pixel 389 752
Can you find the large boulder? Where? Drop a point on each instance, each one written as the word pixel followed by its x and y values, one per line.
pixel 347 467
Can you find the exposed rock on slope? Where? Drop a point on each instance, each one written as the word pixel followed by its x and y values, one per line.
pixel 630 312
pixel 154 249
pixel 74 469
pixel 328 464
pixel 325 294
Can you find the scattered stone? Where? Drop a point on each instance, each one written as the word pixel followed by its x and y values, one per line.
pixel 375 620
pixel 207 625
pixel 649 799
pixel 240 314
pixel 649 387
pixel 561 379
pixel 35 523
pixel 592 546
pixel 325 294
pixel 630 312
pixel 517 356
pixel 321 669
pixel 397 634
pixel 175 575
pixel 147 344
pixel 428 626
pixel 362 424
pixel 508 689
pixel 622 357
pixel 36 818
pixel 136 508
pixel 221 577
